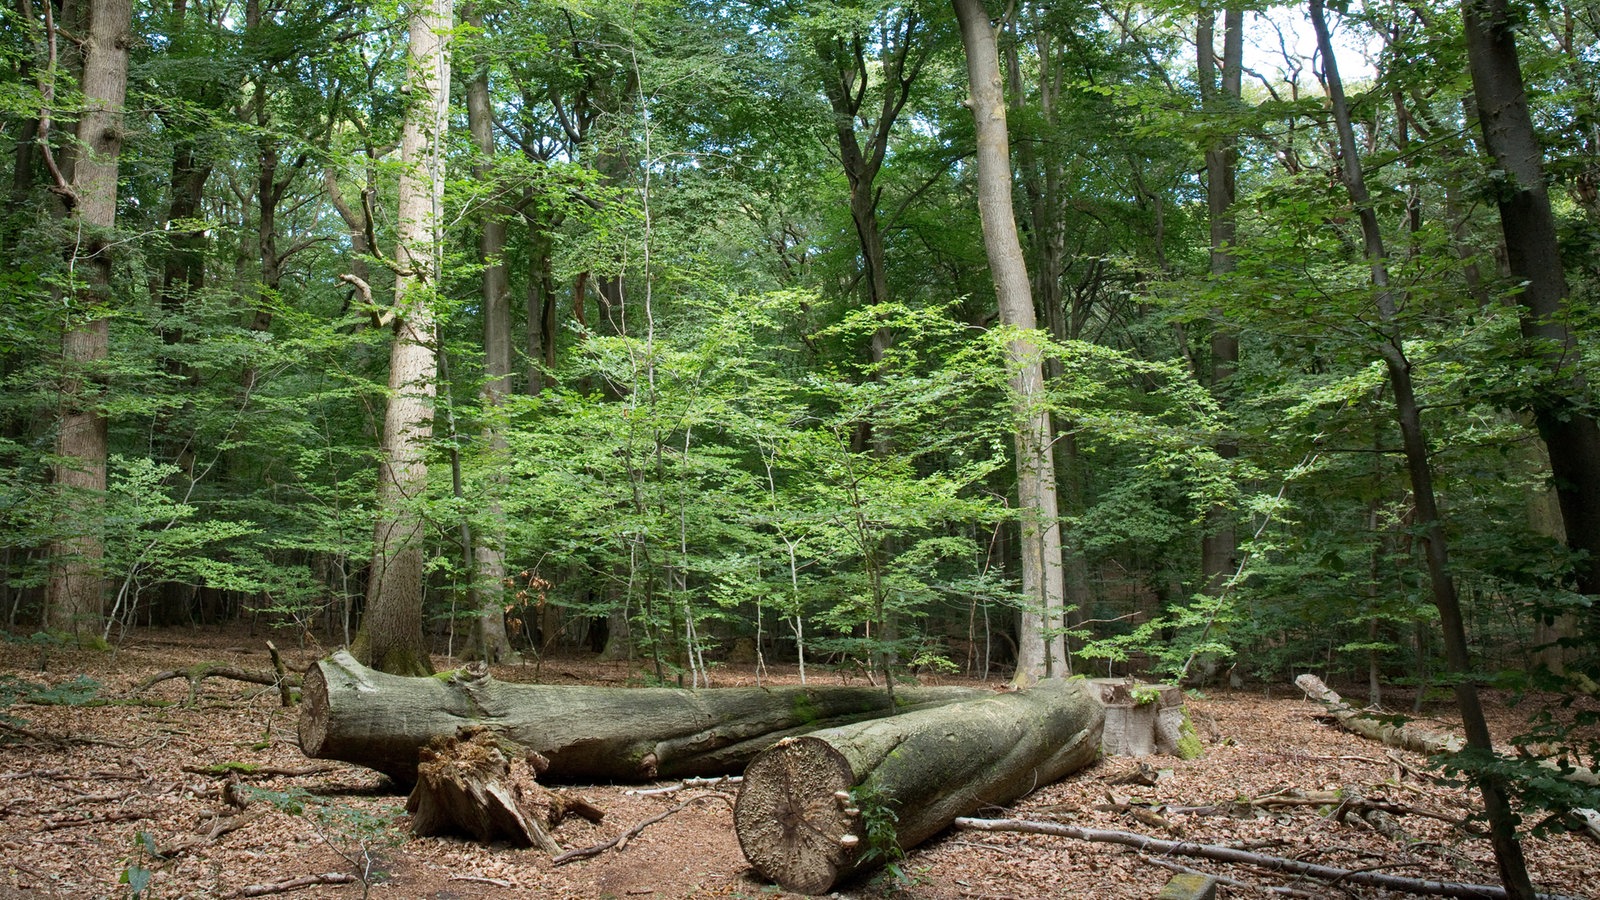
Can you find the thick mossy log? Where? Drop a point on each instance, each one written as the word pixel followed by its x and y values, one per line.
pixel 818 808
pixel 355 714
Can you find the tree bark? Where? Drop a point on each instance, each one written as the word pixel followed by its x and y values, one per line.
pixel 1420 740
pixel 816 809
pixel 1042 579
pixel 358 715
pixel 1219 545
pixel 1375 728
pixel 1429 523
pixel 1560 405
pixel 75 596
pixel 391 636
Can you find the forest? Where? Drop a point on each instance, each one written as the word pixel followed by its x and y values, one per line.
pixel 1210 341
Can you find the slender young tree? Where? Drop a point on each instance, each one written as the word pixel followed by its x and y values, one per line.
pixel 1042 582
pixel 1560 406
pixel 75 594
pixel 390 638
pixel 1428 522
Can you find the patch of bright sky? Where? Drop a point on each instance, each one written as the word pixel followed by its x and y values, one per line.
pixel 1279 45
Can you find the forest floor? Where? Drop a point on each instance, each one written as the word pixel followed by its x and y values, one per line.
pixel 95 796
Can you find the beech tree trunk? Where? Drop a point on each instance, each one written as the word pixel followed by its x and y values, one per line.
pixel 1219 545
pixel 355 714
pixel 1561 406
pixel 74 595
pixel 1042 577
pixel 1419 467
pixel 488 639
pixel 811 808
pixel 391 637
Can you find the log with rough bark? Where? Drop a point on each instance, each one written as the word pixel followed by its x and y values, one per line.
pixel 355 714
pixel 1383 730
pixel 816 809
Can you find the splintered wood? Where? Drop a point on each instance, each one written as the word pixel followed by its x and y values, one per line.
pixel 477 786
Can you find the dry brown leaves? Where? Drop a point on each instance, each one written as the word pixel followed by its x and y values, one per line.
pixel 87 791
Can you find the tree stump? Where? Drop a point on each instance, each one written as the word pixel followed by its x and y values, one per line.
pixel 478 786
pixel 816 809
pixel 1145 719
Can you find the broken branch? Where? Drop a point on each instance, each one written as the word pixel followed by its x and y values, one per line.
pixel 621 841
pixel 291 884
pixel 1327 874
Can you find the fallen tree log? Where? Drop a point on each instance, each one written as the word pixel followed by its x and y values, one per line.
pixel 816 809
pixel 1406 737
pixel 201 671
pixel 1328 874
pixel 358 715
pixel 1432 743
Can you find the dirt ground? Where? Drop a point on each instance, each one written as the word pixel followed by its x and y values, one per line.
pixel 96 800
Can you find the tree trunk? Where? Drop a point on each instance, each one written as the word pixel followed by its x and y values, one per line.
pixel 1421 740
pixel 1219 546
pixel 1560 406
pixel 352 713
pixel 1429 524
pixel 1042 581
pixel 391 636
pixel 74 600
pixel 816 809
pixel 489 641
pixel 1042 182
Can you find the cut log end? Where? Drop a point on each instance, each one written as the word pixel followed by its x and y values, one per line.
pixel 792 825
pixel 313 713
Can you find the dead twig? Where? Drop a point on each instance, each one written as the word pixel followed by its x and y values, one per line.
pixel 221 824
pixel 258 771
pixel 201 671
pixel 621 841
pixel 41 773
pixel 284 695
pixel 709 783
pixel 1226 881
pixel 1323 873
pixel 291 884
pixel 126 815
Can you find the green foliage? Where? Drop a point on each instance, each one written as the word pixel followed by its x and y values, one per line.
pixel 357 835
pixel 78 691
pixel 137 875
pixel 878 823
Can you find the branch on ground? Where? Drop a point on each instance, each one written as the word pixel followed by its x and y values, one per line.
pixel 621 841
pixel 1328 874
